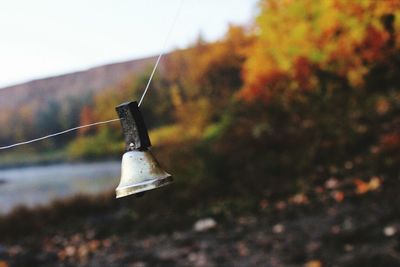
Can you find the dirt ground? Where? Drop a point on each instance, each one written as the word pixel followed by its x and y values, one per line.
pixel 327 227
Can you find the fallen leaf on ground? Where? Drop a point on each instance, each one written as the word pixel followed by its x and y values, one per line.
pixel 313 263
pixel 338 196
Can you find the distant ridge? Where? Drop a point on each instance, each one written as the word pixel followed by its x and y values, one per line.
pixel 72 84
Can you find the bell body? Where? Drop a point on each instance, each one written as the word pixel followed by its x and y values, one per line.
pixel 141 172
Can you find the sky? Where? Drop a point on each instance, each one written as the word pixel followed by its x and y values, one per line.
pixel 44 38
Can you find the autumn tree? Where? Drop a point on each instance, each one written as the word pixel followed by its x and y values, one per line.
pixel 300 43
pixel 321 92
pixel 206 76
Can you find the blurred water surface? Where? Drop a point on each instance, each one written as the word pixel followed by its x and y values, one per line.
pixel 37 185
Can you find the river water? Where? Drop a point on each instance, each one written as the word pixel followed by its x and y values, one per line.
pixel 39 185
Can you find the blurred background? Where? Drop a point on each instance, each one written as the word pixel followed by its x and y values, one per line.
pixel 279 120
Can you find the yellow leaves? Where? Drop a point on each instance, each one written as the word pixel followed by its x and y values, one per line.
pixel 328 18
pixel 206 76
pixel 356 76
pixel 194 116
pixel 176 97
pixel 374 183
pixel 357 33
pixel 388 7
pixel 364 187
pixel 106 99
pixel 343 37
pixel 167 135
pixel 238 40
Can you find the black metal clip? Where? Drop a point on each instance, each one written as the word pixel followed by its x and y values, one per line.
pixel 134 128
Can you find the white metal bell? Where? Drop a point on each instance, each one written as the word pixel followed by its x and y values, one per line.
pixel 140 169
pixel 140 172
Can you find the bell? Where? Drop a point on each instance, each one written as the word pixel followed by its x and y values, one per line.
pixel 140 171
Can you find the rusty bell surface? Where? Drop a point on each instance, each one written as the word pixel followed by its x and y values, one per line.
pixel 140 170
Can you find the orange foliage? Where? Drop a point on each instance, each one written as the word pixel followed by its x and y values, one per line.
pixel 296 38
pixel 86 117
pixel 205 77
pixel 364 187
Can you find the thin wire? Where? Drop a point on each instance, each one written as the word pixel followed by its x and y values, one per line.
pixel 113 120
pixel 56 134
pixel 163 50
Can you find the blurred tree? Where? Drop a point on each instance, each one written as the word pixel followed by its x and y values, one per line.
pixel 205 77
pixel 71 110
pixel 86 117
pixel 302 42
pixel 321 84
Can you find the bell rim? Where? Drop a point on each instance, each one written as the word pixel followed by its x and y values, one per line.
pixel 143 186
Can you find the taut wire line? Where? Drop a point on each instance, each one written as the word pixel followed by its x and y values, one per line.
pixel 56 134
pixel 163 50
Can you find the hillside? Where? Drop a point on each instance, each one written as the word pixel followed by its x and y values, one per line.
pixel 72 84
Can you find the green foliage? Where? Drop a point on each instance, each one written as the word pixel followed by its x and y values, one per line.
pixel 105 144
pixel 167 135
